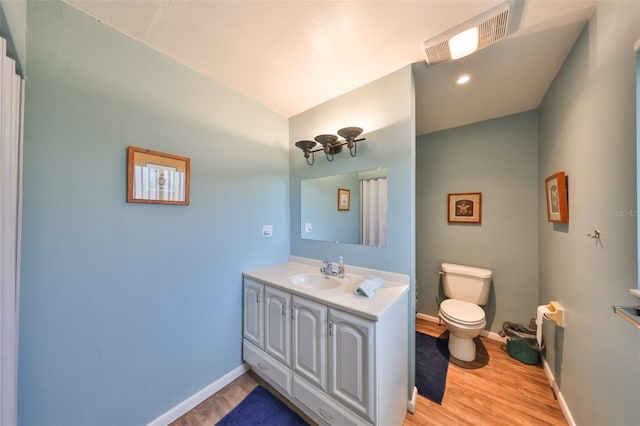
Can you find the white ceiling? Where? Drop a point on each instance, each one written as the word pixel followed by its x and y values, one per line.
pixel 293 55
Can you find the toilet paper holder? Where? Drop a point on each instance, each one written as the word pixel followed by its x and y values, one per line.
pixel 556 313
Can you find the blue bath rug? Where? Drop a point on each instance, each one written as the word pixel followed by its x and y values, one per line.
pixel 261 408
pixel 432 363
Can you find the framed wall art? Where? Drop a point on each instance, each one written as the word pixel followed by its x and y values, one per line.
pixel 344 199
pixel 156 177
pixel 557 199
pixel 465 207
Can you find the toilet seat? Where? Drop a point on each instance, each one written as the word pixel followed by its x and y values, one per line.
pixel 464 313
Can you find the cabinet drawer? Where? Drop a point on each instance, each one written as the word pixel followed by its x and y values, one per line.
pixel 324 409
pixel 267 367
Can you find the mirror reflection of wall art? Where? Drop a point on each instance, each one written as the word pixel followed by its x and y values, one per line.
pixel 157 178
pixel 365 223
pixel 557 200
pixel 344 199
pixel 465 208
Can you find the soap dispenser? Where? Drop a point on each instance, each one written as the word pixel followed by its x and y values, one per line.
pixel 340 267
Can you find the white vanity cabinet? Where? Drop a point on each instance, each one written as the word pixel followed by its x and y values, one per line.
pixel 266 331
pixel 351 349
pixel 310 341
pixel 277 326
pixel 327 357
pixel 253 313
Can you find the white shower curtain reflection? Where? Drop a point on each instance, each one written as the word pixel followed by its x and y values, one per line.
pixel 373 212
pixel 11 114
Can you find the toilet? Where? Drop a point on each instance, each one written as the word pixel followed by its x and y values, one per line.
pixel 466 287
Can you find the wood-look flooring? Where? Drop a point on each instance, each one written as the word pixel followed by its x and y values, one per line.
pixel 495 389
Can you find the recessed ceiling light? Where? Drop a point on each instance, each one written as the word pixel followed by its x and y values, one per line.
pixel 463 79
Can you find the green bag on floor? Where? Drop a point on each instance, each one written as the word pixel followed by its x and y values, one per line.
pixel 521 342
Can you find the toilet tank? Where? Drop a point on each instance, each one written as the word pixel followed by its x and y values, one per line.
pixel 466 283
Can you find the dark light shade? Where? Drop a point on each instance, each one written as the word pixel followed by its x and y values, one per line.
pixel 350 133
pixel 306 146
pixel 330 144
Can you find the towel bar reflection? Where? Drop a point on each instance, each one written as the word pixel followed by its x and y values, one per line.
pixel 630 313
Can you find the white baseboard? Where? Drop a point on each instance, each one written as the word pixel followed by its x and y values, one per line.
pixel 179 410
pixel 484 333
pixel 556 390
pixel 427 317
pixel 411 404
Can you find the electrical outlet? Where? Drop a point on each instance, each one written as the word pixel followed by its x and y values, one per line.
pixel 308 227
pixel 267 230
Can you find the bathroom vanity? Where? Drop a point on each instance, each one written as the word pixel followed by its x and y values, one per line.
pixel 339 357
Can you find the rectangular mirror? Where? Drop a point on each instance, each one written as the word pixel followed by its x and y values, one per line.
pixel 348 208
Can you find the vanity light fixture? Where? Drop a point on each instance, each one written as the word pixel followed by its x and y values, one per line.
pixel 331 145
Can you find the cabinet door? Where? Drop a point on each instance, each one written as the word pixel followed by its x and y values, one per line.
pixel 310 341
pixel 277 330
pixel 253 313
pixel 351 361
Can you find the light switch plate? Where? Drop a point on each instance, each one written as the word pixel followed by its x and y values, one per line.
pixel 267 230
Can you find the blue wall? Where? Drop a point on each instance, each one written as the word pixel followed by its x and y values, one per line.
pixel 129 309
pixel 587 128
pixel 499 159
pixel 385 109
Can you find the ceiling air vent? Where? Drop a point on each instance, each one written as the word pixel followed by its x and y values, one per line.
pixel 438 53
pixel 493 30
pixel 492 26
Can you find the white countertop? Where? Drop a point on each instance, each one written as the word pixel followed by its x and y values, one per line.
pixel 395 286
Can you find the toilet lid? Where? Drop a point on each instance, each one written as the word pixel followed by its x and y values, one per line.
pixel 462 312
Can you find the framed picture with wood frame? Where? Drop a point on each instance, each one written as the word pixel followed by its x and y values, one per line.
pixel 344 199
pixel 156 177
pixel 465 207
pixel 557 198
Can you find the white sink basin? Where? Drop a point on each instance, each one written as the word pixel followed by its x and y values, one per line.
pixel 316 280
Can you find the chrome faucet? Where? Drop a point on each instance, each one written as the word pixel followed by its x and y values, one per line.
pixel 327 269
pixel 331 270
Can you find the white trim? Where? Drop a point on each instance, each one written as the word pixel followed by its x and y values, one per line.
pixel 493 336
pixel 427 317
pixel 556 390
pixel 484 333
pixel 179 410
pixel 11 146
pixel 411 404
